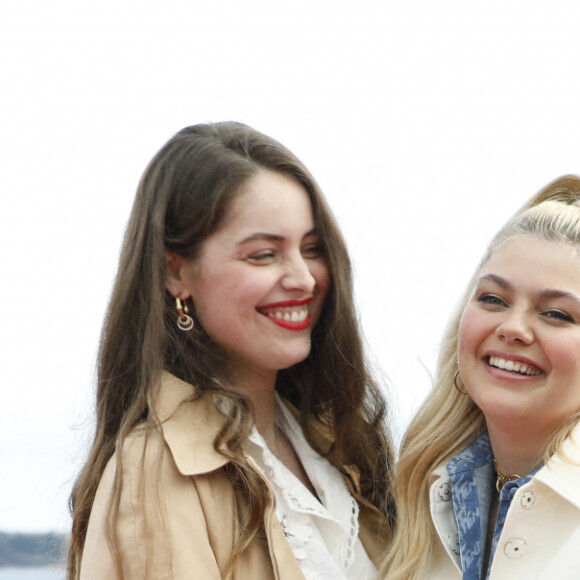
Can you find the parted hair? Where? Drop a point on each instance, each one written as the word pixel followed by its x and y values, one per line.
pixel 182 198
pixel 447 421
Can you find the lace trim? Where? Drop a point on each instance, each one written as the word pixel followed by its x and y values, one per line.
pixel 298 535
pixel 296 506
pixel 326 478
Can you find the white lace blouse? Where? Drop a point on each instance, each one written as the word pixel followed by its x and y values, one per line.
pixel 323 536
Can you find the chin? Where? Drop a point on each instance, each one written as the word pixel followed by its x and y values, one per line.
pixel 293 360
pixel 507 413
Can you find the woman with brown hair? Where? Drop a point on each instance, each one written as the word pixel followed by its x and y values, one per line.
pixel 239 433
pixel 488 481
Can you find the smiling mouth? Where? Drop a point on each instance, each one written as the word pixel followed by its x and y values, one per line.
pixel 289 317
pixel 286 314
pixel 513 366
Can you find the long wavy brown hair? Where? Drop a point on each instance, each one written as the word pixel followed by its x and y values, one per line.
pixel 182 198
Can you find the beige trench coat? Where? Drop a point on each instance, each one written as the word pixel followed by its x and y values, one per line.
pixel 185 477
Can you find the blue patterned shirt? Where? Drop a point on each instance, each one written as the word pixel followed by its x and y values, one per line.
pixel 473 485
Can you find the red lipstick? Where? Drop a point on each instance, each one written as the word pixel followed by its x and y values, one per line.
pixel 287 314
pixel 283 303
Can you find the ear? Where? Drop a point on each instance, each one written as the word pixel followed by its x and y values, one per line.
pixel 173 279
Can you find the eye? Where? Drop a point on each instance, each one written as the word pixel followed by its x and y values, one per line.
pixel 557 315
pixel 262 257
pixel 491 300
pixel 312 250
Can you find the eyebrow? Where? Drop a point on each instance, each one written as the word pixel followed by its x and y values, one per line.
pixel 501 282
pixel 547 294
pixel 551 294
pixel 271 237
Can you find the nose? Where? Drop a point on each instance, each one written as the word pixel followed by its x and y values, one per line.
pixel 516 328
pixel 297 275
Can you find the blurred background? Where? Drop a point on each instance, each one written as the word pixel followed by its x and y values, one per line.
pixel 426 122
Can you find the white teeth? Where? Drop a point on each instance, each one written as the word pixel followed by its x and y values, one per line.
pixel 513 366
pixel 289 316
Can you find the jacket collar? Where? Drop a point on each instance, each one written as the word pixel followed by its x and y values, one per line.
pixel 189 423
pixel 562 472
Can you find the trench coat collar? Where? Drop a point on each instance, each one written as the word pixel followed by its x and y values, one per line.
pixel 189 423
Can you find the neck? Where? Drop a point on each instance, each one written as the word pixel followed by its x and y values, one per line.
pixel 260 390
pixel 265 417
pixel 516 450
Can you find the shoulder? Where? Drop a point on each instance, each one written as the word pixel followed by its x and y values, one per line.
pixel 151 499
pixel 562 471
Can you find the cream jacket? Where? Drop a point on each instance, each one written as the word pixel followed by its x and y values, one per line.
pixel 188 493
pixel 541 535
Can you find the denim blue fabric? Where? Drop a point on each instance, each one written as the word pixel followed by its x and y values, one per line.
pixel 473 480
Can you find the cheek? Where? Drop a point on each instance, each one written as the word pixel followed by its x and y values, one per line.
pixel 564 357
pixel 471 333
pixel 214 303
pixel 320 273
pixel 463 332
pixel 223 321
pixel 322 277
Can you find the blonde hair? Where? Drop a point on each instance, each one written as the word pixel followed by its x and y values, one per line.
pixel 448 421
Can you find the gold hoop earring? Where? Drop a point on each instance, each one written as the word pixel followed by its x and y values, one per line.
pixel 456 380
pixel 184 321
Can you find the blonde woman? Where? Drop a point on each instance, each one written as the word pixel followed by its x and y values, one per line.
pixel 489 475
pixel 239 434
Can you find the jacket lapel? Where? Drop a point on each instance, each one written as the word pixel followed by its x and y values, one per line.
pixel 188 423
pixel 562 472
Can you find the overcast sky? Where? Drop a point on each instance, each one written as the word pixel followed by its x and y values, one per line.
pixel 426 123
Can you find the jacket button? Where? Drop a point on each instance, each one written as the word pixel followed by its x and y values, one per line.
pixel 528 499
pixel 445 491
pixel 453 542
pixel 515 548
